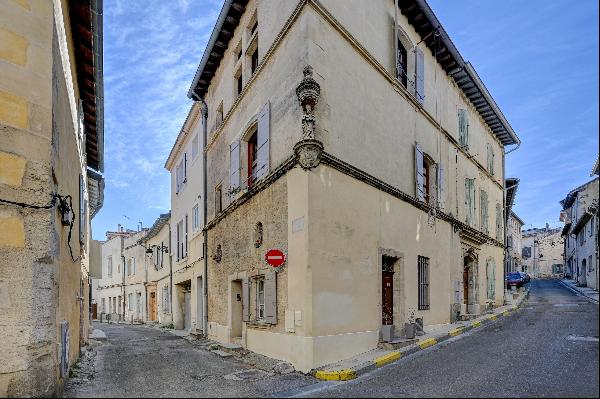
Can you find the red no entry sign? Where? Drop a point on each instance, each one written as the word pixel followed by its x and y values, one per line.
pixel 275 257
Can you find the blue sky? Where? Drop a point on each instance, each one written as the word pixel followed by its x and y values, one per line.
pixel 539 59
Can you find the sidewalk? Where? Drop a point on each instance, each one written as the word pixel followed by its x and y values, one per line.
pixel 584 291
pixel 360 364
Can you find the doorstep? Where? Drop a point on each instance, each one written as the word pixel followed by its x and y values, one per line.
pixel 348 369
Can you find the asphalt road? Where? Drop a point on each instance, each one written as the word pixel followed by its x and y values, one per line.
pixel 525 355
pixel 140 361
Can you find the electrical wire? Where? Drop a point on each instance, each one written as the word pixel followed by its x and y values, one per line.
pixel 24 205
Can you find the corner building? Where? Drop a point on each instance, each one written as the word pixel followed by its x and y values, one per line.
pixel 355 138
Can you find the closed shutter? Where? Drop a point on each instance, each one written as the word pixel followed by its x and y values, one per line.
pixel 498 222
pixel 186 236
pixel 81 211
pixel 463 128
pixel 491 279
pixel 184 166
pixel 133 263
pixel 234 165
pixel 264 132
pixel 419 175
pixel 484 211
pixel 441 189
pixel 271 297
pixel 420 75
pixel 245 300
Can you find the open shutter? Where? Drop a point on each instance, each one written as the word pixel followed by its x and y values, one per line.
pixel 264 132
pixel 441 189
pixel 245 300
pixel 81 211
pixel 420 75
pixel 234 165
pixel 419 176
pixel 186 236
pixel 271 297
pixel 491 279
pixel 185 166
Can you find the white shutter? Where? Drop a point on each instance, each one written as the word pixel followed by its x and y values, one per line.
pixel 420 75
pixel 234 165
pixel 186 235
pixel 184 166
pixel 264 132
pixel 441 189
pixel 271 297
pixel 419 176
pixel 245 300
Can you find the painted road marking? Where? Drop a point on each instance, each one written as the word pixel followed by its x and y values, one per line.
pixel 573 337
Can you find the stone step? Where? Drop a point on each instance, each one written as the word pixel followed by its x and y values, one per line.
pixel 221 353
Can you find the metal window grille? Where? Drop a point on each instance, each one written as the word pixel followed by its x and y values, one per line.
pixel 423 282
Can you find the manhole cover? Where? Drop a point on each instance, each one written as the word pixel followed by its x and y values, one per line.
pixel 573 337
pixel 248 375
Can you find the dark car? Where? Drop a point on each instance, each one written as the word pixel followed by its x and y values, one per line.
pixel 514 279
pixel 526 277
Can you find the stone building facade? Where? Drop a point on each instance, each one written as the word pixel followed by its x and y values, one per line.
pixel 580 215
pixel 369 153
pixel 514 244
pixel 542 253
pixel 51 159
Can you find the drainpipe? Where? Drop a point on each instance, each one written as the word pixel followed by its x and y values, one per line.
pixel 170 274
pixel 504 221
pixel 204 216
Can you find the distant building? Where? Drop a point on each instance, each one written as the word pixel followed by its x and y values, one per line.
pixel 542 252
pixel 580 215
pixel 514 240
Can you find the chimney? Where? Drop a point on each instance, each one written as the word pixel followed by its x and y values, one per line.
pixel 119 228
pixel 547 226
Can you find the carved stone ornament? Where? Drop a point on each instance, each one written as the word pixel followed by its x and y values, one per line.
pixel 218 255
pixel 308 92
pixel 308 152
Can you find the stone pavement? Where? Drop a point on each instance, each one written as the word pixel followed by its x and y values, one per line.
pixel 584 291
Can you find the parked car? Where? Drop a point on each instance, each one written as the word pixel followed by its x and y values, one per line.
pixel 514 279
pixel 526 277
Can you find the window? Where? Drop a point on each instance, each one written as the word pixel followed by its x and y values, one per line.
pixel 470 201
pixel 195 218
pixel 181 173
pixel 423 281
pixel 252 158
pixel 592 226
pixel 526 252
pixel 195 147
pixel 581 238
pixel 499 222
pixel 239 84
pixel 402 65
pixel 129 267
pixel 463 128
pixel 490 159
pixel 254 61
pixel 254 26
pixel 185 254
pixel 132 265
pixel 218 199
pixel 219 116
pixel 484 211
pixel 424 167
pixel 130 302
pixel 110 266
pixel 181 230
pixel 104 309
pixel 260 298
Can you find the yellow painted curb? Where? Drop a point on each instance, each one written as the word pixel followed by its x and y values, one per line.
pixel 385 359
pixel 492 317
pixel 342 375
pixel 456 331
pixel 506 313
pixel 426 343
pixel 476 324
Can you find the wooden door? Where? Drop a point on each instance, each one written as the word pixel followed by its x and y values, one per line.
pixel 94 311
pixel 466 284
pixel 153 306
pixel 387 302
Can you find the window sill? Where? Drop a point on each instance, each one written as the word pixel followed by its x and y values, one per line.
pixel 258 324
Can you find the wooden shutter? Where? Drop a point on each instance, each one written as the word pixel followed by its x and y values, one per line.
pixel 420 75
pixel 463 128
pixel 245 299
pixel 263 136
pixel 271 297
pixel 441 189
pixel 234 165
pixel 419 175
pixel 491 279
pixel 483 211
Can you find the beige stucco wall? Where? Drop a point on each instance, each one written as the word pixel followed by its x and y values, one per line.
pixel 40 285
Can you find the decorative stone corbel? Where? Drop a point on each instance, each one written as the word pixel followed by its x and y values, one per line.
pixel 309 150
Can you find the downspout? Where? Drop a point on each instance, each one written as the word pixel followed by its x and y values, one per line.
pixel 123 280
pixel 205 210
pixel 170 274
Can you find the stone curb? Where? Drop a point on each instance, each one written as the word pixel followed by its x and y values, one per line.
pixel 394 356
pixel 576 291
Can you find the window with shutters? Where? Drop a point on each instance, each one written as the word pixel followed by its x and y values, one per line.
pixel 252 157
pixel 419 75
pixel 463 128
pixel 423 283
pixel 499 223
pixel 185 253
pixel 490 159
pixel 260 299
pixel 181 237
pixel 195 218
pixel 181 173
pixel 470 201
pixel 483 208
pixel 218 199
pixel 110 266
pixel 130 302
pixel 402 64
pixel 491 279
pixel 424 167
pixel 129 267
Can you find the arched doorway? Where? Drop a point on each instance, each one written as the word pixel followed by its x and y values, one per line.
pixel 470 283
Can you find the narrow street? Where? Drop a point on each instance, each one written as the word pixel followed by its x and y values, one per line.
pixel 140 361
pixel 526 354
pixel 531 353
